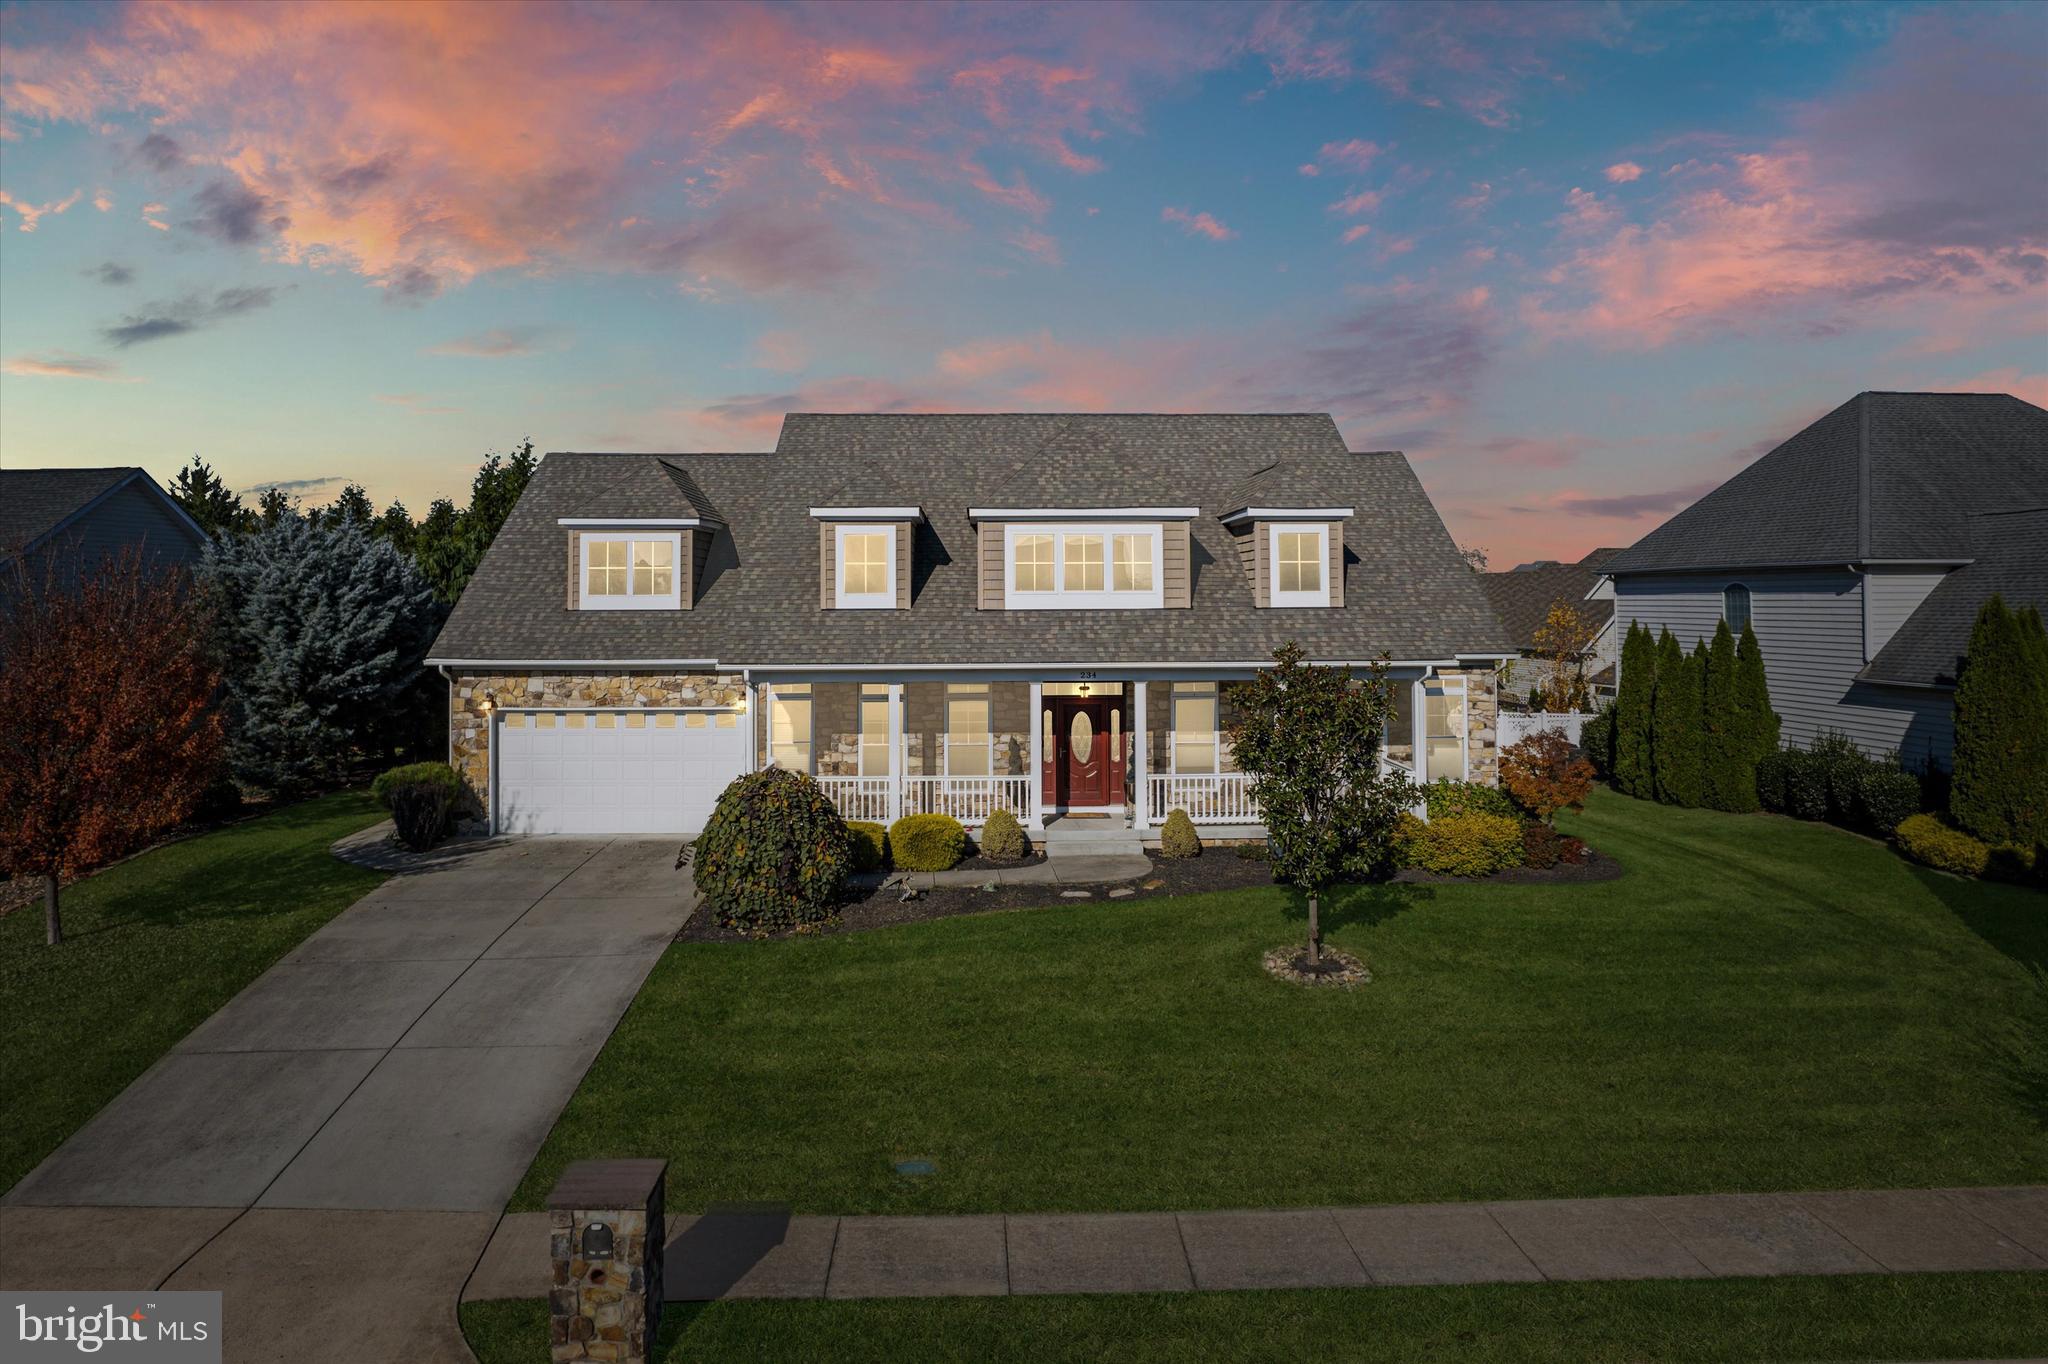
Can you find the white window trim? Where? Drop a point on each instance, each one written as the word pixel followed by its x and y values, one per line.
pixel 1059 599
pixel 1173 732
pixel 1274 596
pixel 884 600
pixel 860 732
pixel 670 601
pixel 1454 689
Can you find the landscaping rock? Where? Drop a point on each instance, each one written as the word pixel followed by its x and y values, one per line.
pixel 1338 969
pixel 1077 895
pixel 1120 892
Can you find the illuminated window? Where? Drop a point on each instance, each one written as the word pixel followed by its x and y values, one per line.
pixel 1443 726
pixel 1034 563
pixel 970 750
pixel 789 728
pixel 1084 563
pixel 1133 563
pixel 625 572
pixel 867 566
pixel 874 731
pixel 1194 727
pixel 1301 561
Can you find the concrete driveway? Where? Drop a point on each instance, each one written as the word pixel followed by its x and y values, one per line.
pixel 354 1121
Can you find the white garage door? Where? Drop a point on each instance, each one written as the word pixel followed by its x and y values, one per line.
pixel 615 772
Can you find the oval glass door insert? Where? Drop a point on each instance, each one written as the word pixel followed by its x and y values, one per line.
pixel 1081 737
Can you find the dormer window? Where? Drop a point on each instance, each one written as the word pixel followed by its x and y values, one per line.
pixel 1062 568
pixel 631 572
pixel 1299 555
pixel 867 567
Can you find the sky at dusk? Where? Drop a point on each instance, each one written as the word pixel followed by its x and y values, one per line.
pixel 1580 262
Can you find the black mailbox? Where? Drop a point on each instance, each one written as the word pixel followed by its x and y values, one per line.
pixel 597 1241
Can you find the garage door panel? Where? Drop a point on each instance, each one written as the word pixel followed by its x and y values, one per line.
pixel 632 773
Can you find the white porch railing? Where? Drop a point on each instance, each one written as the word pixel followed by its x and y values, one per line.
pixel 864 798
pixel 971 800
pixel 1217 798
pixel 1516 725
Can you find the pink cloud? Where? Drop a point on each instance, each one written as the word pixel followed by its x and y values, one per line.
pixel 1354 154
pixel 1310 169
pixel 1039 245
pixel 783 351
pixel 2031 388
pixel 1351 205
pixel 64 365
pixel 1622 172
pixel 1355 234
pixel 1197 224
pixel 31 214
pixel 102 200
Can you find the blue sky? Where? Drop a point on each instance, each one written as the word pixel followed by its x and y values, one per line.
pixel 1580 262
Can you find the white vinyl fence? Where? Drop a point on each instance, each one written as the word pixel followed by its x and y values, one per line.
pixel 1514 725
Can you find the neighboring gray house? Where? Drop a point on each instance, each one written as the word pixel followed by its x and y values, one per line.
pixel 76 519
pixel 1860 550
pixel 954 613
pixel 1523 597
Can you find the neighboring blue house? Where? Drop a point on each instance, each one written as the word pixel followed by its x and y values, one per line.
pixel 1860 551
pixel 82 517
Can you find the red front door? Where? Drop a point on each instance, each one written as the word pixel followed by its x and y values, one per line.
pixel 1086 767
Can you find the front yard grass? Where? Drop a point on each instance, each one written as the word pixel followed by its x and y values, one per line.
pixel 151 947
pixel 1860 1317
pixel 1757 1004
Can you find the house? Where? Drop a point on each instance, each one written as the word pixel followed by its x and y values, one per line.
pixel 949 613
pixel 1523 597
pixel 1859 551
pixel 69 521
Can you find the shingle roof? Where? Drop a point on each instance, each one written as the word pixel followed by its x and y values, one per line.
pixel 34 502
pixel 2010 558
pixel 1883 476
pixel 1523 596
pixel 1407 592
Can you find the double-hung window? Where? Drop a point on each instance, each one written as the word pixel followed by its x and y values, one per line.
pixel 631 572
pixel 1735 606
pixel 867 567
pixel 1443 729
pixel 875 746
pixel 789 727
pixel 1300 562
pixel 1055 567
pixel 1194 728
pixel 970 747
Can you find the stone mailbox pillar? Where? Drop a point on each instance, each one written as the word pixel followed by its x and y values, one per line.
pixel 605 1237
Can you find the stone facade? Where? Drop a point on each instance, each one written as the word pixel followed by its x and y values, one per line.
pixel 1482 723
pixel 606 1237
pixel 469 715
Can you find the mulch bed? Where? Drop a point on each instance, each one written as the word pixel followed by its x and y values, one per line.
pixel 1217 869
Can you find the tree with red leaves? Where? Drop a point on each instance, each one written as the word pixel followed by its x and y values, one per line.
pixel 109 731
pixel 1543 776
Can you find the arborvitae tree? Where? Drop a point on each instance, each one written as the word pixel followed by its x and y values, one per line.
pixel 323 631
pixel 1753 694
pixel 2000 792
pixel 1675 739
pixel 207 500
pixel 1730 771
pixel 1632 757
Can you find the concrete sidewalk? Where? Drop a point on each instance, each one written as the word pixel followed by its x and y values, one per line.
pixel 750 1253
pixel 332 1148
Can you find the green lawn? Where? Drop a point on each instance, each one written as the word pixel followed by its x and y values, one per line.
pixel 1921 1317
pixel 1759 1004
pixel 151 947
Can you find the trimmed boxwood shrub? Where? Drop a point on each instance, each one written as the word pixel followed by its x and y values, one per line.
pixel 1177 837
pixel 775 853
pixel 1002 838
pixel 1806 785
pixel 927 842
pixel 868 844
pixel 1926 839
pixel 1885 796
pixel 1447 797
pixel 411 774
pixel 1467 845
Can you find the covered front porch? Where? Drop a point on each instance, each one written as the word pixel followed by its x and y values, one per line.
pixel 1114 752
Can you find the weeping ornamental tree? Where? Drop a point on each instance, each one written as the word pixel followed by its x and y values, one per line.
pixel 1632 712
pixel 322 633
pixel 1675 739
pixel 1309 737
pixel 2000 792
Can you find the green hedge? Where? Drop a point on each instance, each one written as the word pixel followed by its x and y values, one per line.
pixel 868 844
pixel 1465 845
pixel 927 842
pixel 415 774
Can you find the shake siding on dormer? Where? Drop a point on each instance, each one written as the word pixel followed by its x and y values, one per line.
pixel 1174 560
pixel 1336 563
pixel 828 560
pixel 994 572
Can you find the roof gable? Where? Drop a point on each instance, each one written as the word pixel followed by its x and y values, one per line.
pixel 37 503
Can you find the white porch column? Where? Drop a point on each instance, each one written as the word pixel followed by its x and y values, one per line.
pixel 898 749
pixel 1036 804
pixel 764 739
pixel 1141 765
